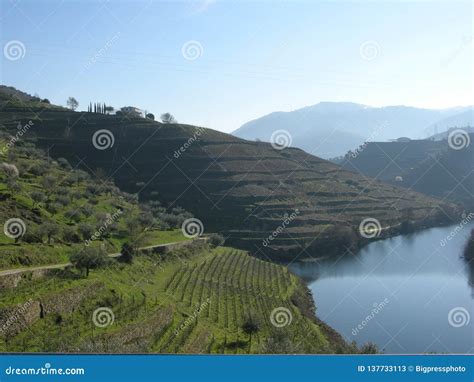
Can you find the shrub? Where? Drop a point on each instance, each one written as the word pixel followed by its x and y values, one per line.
pixel 89 258
pixel 216 240
pixel 128 252
pixel 48 229
pixel 70 235
pixel 37 197
pixel 10 170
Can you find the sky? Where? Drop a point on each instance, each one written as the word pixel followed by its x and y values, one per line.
pixel 220 64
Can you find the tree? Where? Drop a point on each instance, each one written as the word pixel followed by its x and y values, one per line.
pixel 48 229
pixel 168 118
pixel 128 252
pixel 250 326
pixel 37 197
pixel 89 258
pixel 72 103
pixel 86 230
pixel 150 116
pixel 109 109
pixel 216 240
pixel 10 170
pixel 45 100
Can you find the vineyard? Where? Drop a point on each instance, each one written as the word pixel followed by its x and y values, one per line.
pixel 186 301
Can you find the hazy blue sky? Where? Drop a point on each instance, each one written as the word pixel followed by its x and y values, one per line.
pixel 257 56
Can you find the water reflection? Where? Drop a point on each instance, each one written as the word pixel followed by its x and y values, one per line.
pixel 422 278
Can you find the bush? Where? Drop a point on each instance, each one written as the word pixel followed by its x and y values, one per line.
pixel 70 235
pixel 128 252
pixel 89 258
pixel 216 240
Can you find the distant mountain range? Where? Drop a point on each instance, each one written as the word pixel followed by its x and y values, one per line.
pixel 330 129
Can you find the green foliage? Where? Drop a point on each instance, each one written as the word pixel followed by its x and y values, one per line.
pixel 216 240
pixel 89 258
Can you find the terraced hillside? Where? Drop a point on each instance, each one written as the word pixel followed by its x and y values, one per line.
pixel 431 167
pixel 191 300
pixel 246 190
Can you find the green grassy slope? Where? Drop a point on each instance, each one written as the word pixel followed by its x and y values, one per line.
pixel 68 200
pixel 192 300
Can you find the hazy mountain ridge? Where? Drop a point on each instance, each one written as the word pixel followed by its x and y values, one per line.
pixel 330 129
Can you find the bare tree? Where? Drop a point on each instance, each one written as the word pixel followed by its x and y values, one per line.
pixel 72 103
pixel 168 118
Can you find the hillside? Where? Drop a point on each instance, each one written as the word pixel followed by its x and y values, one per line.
pixel 330 129
pixel 191 298
pixel 430 167
pixel 245 190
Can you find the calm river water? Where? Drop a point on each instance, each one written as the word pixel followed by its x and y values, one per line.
pixel 407 294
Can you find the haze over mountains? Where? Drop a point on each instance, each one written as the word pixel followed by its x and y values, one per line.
pixel 330 129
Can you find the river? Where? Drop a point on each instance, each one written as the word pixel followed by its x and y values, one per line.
pixel 407 294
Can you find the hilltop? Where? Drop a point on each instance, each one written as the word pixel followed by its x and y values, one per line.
pixel 245 190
